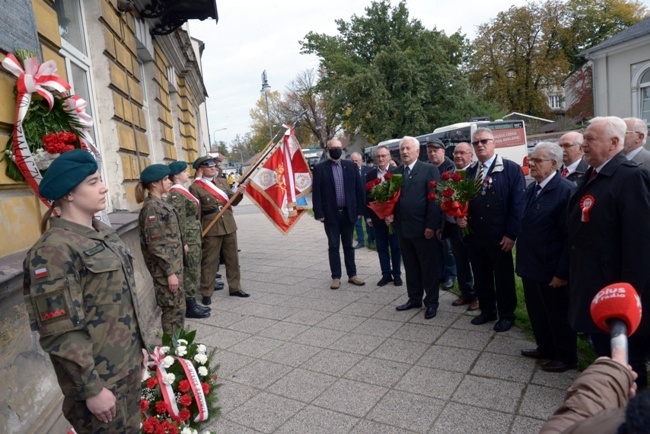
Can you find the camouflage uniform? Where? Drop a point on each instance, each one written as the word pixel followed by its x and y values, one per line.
pixel 188 215
pixel 79 292
pixel 162 248
pixel 222 237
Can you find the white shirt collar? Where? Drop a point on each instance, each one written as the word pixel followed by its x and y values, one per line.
pixel 573 166
pixel 547 180
pixel 632 154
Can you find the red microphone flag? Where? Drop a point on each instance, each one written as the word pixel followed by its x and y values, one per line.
pixel 617 301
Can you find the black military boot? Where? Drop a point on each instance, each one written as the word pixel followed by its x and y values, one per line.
pixel 192 310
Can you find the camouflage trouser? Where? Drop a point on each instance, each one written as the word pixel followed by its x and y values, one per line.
pixel 127 418
pixel 172 305
pixel 191 271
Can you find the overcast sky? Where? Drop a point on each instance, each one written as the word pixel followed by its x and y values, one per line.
pixel 256 35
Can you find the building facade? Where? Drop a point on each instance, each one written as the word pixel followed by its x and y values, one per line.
pixel 139 70
pixel 621 73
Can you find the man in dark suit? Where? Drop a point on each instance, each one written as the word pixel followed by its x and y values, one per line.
pixel 437 157
pixel 543 260
pixel 609 234
pixel 574 165
pixel 635 139
pixel 416 221
pixel 495 220
pixel 338 199
pixel 358 225
pixel 388 247
pixel 462 159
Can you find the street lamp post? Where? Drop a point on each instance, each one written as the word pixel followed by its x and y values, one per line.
pixel 214 136
pixel 265 89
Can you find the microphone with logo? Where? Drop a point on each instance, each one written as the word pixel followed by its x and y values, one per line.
pixel 616 309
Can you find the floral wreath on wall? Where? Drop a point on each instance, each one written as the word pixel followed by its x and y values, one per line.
pixel 47 124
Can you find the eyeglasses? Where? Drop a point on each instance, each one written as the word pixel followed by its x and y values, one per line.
pixel 482 142
pixel 538 160
pixel 567 145
pixel 634 132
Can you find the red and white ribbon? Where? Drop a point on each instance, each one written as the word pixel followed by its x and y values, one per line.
pixel 185 192
pixel 167 391
pixel 213 190
pixel 195 384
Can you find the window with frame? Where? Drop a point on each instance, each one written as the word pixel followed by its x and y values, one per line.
pixel 74 50
pixel 555 101
pixel 644 88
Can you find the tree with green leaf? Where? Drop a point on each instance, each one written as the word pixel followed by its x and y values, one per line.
pixel 386 75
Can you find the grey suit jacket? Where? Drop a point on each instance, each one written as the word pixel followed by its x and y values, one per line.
pixel 642 158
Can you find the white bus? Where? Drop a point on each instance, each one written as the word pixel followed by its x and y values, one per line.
pixel 509 138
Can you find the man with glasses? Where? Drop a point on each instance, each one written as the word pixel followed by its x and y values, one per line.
pixel 574 165
pixel 543 260
pixel 390 255
pixel 495 220
pixel 462 159
pixel 635 139
pixel 437 157
pixel 358 225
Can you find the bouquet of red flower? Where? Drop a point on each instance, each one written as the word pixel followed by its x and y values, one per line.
pixel 385 192
pixel 179 387
pixel 453 192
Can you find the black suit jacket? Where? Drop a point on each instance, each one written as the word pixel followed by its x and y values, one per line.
pixel 324 192
pixel 614 245
pixel 414 213
pixel 543 245
pixel 579 172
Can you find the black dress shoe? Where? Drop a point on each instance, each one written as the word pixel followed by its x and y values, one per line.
pixel 218 276
pixel 240 293
pixel 483 318
pixel 206 300
pixel 358 245
pixel 218 286
pixel 408 305
pixel 397 281
pixel 557 366
pixel 503 325
pixel 430 312
pixel 533 353
pixel 384 281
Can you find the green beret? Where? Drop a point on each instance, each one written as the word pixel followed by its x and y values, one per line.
pixel 66 172
pixel 177 167
pixel 154 173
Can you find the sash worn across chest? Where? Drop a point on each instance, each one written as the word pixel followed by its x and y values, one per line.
pixel 215 191
pixel 185 192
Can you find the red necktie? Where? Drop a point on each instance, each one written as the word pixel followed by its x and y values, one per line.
pixel 592 176
pixel 565 172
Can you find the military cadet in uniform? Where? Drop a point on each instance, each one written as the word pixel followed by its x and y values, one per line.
pixel 187 208
pixel 213 193
pixel 162 245
pixel 79 292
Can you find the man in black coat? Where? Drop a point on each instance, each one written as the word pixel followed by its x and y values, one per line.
pixel 416 221
pixel 609 234
pixel 543 260
pixel 388 247
pixel 338 199
pixel 495 220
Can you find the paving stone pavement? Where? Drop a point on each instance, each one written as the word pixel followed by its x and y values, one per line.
pixel 297 357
